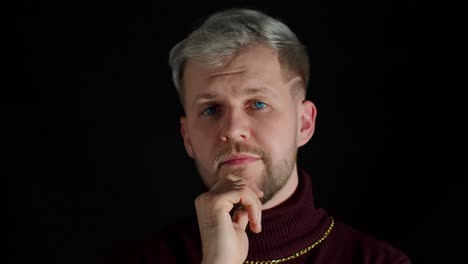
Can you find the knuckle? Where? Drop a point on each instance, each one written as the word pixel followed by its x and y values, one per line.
pixel 198 200
pixel 203 198
pixel 209 198
pixel 232 177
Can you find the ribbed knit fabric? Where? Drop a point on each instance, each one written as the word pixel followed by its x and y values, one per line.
pixel 286 229
pixel 290 227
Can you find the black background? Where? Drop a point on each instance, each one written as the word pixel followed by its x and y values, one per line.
pixel 97 155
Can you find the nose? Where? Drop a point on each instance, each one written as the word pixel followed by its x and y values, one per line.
pixel 235 126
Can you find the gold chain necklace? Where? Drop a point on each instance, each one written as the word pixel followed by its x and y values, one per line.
pixel 298 254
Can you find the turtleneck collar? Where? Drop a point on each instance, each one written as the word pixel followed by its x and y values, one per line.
pixel 289 227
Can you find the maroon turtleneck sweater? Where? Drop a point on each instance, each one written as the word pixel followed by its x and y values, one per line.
pixel 286 229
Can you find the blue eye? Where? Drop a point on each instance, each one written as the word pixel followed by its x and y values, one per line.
pixel 259 105
pixel 209 111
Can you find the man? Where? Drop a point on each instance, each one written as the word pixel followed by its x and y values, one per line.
pixel 241 78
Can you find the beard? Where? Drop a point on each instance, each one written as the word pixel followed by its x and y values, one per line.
pixel 274 179
pixel 273 176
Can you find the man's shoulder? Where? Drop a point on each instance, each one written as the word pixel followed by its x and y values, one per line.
pixel 362 247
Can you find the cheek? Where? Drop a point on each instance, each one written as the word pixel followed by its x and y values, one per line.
pixel 202 142
pixel 277 137
pixel 203 149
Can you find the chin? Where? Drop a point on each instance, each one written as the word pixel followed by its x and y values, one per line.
pixel 249 172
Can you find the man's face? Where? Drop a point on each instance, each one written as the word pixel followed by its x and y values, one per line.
pixel 244 119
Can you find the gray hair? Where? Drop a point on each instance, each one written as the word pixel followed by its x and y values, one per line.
pixel 225 33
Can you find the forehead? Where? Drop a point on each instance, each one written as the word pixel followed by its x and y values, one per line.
pixel 254 67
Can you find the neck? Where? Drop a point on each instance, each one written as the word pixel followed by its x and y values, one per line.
pixel 289 227
pixel 288 189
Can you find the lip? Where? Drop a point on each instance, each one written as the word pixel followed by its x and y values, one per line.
pixel 239 159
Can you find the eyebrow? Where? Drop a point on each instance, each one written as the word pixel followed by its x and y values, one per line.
pixel 248 91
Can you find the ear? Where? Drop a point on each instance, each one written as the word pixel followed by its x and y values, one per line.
pixel 307 115
pixel 183 131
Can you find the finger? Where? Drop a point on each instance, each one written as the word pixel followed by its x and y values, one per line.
pixel 238 194
pixel 240 181
pixel 257 190
pixel 255 217
pixel 240 219
pixel 246 200
pixel 239 189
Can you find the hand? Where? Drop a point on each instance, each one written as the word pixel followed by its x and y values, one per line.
pixel 224 239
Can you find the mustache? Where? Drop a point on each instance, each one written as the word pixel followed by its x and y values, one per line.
pixel 237 147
